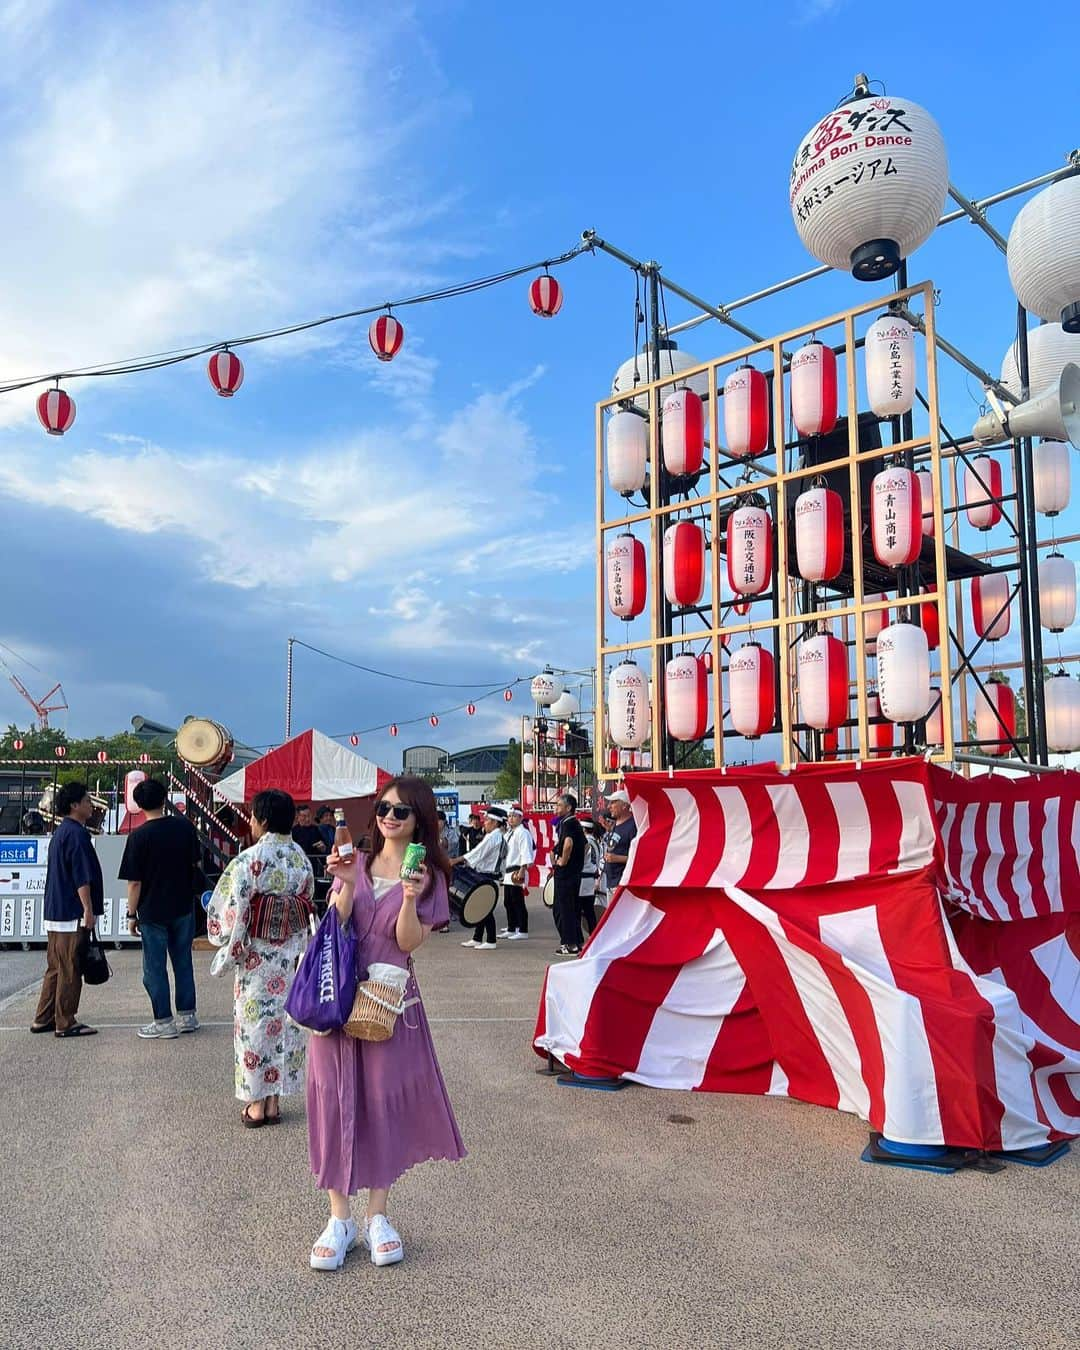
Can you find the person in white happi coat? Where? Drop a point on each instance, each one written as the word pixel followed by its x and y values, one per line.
pixel 487 857
pixel 520 852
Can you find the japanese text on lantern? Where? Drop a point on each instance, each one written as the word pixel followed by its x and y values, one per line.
pixel 890 520
pixel 749 557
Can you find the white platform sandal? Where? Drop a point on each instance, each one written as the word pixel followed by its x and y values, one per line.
pixel 340 1236
pixel 380 1232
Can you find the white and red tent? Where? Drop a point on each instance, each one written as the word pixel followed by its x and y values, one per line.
pixel 310 768
pixel 888 939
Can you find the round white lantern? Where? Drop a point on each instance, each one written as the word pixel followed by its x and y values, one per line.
pixel 1050 349
pixel 638 370
pixel 903 657
pixel 1057 593
pixel 545 688
pixel 896 516
pixel 684 563
pixel 683 432
pixel 565 706
pixel 1051 476
pixel 819 534
pixel 995 718
pixel 528 762
pixel 889 356
pixel 746 412
pixel 686 698
pixel 1044 254
pixel 823 681
pixel 813 389
pixel 926 495
pixel 628 705
pixel 627 451
pixel 749 550
pixel 868 184
pixel 626 584
pixel 1062 696
pixel 990 610
pixel 982 484
pixel 752 690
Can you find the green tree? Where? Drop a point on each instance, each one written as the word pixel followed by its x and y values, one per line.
pixel 507 786
pixel 42 744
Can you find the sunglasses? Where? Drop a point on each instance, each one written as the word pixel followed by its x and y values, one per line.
pixel 399 812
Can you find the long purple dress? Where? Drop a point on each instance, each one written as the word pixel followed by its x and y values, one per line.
pixel 376 1108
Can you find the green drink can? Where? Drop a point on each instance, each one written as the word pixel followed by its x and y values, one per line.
pixel 413 862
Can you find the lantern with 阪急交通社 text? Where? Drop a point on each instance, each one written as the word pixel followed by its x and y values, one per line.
pixel 749 550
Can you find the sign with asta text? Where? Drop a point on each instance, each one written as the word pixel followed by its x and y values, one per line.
pixel 26 851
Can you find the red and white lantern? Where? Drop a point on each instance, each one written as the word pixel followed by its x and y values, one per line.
pixel 1057 593
pixel 17 745
pixel 935 724
pixel 874 621
pixel 982 483
pixel 741 608
pixel 627 452
pixel 60 751
pixel 819 533
pixel 683 428
pixel 684 563
pixel 686 701
pixel 433 720
pixel 896 516
pixel 102 756
pixel 707 658
pixel 226 372
pixel 1062 695
pixel 926 494
pixel 571 768
pixel 56 411
pixel 813 389
pixel 990 606
pixel 1051 477
pixel 144 758
pixel 132 779
pixel 628 706
pixel 529 796
pixel 354 739
pixel 929 622
pixel 889 354
pixel 749 550
pixel 995 718
pixel 386 336
pixel 823 681
pixel 752 690
pixel 508 696
pixel 903 668
pixel 393 728
pixel 881 732
pixel 830 745
pixel 626 585
pixel 746 412
pixel 470 709
pixel 545 296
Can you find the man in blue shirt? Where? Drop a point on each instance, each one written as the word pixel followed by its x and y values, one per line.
pixel 74 897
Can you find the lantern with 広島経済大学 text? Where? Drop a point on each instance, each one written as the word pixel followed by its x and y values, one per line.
pixel 628 706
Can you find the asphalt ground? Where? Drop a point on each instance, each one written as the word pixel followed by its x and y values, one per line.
pixel 137 1212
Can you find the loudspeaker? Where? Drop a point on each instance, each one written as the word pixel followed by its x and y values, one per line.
pixel 1053 414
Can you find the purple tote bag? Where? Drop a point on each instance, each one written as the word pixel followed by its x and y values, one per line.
pixel 324 987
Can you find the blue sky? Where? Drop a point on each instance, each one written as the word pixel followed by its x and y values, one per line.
pixel 179 173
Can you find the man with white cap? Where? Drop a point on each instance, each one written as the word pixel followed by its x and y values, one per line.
pixel 618 839
pixel 486 857
pixel 520 852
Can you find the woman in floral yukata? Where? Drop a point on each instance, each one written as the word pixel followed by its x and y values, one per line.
pixel 258 916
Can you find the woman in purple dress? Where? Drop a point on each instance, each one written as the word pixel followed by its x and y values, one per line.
pixel 375 1108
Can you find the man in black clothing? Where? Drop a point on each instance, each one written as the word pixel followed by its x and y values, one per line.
pixel 617 841
pixel 568 862
pixel 160 866
pixel 308 835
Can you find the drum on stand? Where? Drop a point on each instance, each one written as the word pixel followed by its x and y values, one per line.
pixel 204 744
pixel 549 890
pixel 473 895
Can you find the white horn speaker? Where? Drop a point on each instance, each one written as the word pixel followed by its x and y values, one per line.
pixel 1054 414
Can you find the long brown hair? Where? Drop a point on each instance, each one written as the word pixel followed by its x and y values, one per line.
pixel 416 793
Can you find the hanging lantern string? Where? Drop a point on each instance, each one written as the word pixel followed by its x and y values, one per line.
pixel 157 360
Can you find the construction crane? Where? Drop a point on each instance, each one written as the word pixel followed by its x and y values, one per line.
pixel 54 701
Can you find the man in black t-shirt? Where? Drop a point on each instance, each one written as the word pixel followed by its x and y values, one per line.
pixel 618 839
pixel 568 862
pixel 160 865
pixel 308 835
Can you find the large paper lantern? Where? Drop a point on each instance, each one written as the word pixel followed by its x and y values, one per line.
pixel 819 534
pixel 385 337
pixel 930 623
pixel 749 550
pixel 903 663
pixel 995 718
pixel 1050 349
pixel 982 484
pixel 746 412
pixel 683 432
pixel 528 762
pixel 1062 699
pixel 926 496
pixel 813 389
pixel 874 621
pixel 1051 477
pixel 896 516
pixel 392 728
pixel 868 184
pixel 752 690
pixel 880 732
pixel 626 576
pixel 889 356
pixel 686 698
pixel 990 611
pixel 628 705
pixel 627 451
pixel 684 563
pixel 935 723
pixel 638 370
pixel 1057 593
pixel 56 411
pixel 545 296
pixel 226 372
pixel 566 705
pixel 823 681
pixel 1044 254
pixel 529 796
pixel 545 688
